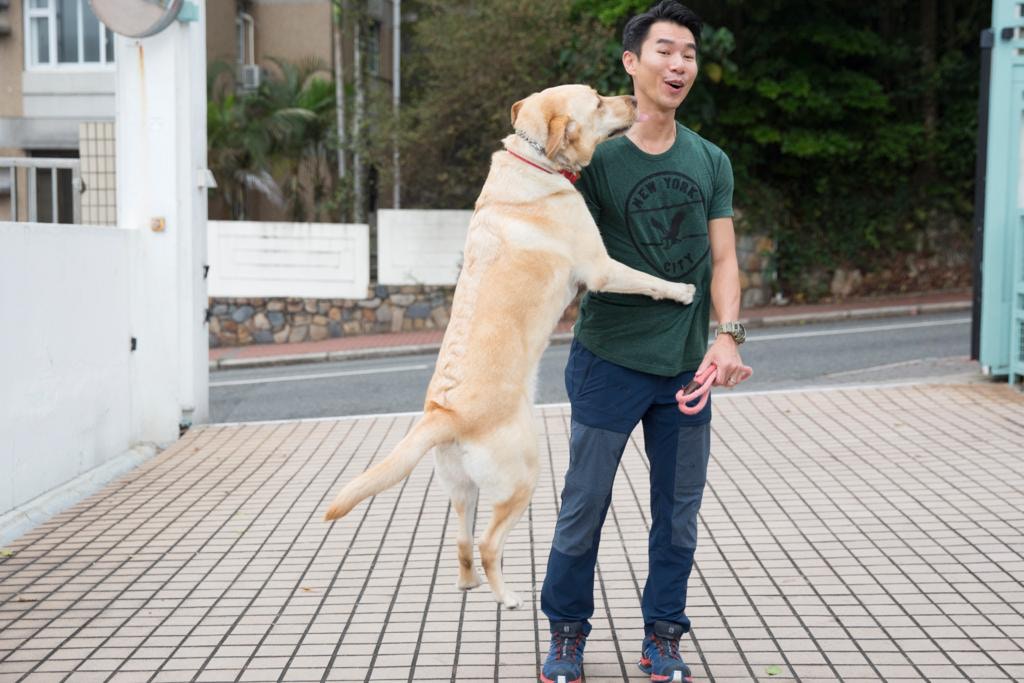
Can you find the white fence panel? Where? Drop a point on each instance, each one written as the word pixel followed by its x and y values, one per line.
pixel 66 392
pixel 417 246
pixel 308 260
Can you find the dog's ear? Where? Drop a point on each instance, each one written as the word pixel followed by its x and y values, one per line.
pixel 561 132
pixel 515 110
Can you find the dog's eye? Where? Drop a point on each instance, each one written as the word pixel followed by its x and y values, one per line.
pixel 600 104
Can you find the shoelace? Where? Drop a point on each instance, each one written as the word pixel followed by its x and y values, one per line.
pixel 560 644
pixel 673 647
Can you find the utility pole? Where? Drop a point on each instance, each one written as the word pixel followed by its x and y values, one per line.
pixel 357 123
pixel 396 85
pixel 338 32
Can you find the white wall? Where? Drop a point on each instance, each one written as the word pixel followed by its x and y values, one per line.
pixel 309 260
pixel 65 359
pixel 69 93
pixel 420 246
pixel 78 405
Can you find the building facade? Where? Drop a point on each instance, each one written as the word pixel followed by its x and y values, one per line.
pixel 57 82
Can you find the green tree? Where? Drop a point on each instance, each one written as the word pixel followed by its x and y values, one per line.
pixel 274 141
pixel 468 62
pixel 296 104
pixel 238 147
pixel 850 125
pixel 461 81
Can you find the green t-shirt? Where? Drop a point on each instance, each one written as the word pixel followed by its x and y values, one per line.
pixel 653 212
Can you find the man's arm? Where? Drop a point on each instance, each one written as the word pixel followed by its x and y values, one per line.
pixel 725 297
pixel 725 273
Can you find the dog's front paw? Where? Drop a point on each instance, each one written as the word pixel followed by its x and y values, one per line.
pixel 511 600
pixel 684 293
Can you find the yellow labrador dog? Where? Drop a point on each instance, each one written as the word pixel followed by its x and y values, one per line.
pixel 531 243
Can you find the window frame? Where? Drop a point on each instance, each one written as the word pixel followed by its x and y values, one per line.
pixel 53 65
pixel 245 36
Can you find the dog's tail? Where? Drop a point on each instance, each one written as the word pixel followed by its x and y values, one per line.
pixel 434 428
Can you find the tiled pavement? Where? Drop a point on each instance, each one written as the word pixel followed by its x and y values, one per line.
pixel 848 534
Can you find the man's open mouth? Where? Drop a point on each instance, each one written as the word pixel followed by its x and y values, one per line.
pixel 677 86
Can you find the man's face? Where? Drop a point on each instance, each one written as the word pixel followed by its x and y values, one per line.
pixel 666 68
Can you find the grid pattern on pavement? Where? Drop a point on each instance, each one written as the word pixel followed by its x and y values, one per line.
pixel 849 534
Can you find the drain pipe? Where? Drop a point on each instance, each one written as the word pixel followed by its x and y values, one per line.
pixel 987 39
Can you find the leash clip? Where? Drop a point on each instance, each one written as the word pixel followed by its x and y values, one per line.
pixel 697 390
pixel 700 389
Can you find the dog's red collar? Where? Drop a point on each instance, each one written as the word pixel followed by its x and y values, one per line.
pixel 572 177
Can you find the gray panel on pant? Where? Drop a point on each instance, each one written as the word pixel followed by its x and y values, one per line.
pixel 694 450
pixel 594 459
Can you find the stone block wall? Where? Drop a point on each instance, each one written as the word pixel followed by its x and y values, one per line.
pixel 756 256
pixel 236 322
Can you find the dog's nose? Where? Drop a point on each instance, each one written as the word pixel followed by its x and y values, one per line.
pixel 632 101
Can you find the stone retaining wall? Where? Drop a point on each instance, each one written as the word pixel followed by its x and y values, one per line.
pixel 237 322
pixel 756 256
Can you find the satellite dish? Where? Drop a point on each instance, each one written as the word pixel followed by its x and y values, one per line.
pixel 136 18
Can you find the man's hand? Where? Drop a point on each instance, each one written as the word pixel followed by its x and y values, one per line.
pixel 725 354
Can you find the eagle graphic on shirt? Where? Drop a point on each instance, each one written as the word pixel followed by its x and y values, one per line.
pixel 667 219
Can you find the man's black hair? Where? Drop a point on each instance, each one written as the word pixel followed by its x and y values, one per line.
pixel 637 28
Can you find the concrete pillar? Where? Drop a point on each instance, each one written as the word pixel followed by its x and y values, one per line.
pixel 161 195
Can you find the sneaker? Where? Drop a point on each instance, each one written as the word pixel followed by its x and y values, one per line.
pixel 565 658
pixel 660 656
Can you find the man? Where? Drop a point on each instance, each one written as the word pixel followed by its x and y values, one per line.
pixel 662 198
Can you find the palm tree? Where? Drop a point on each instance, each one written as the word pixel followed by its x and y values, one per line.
pixel 297 105
pixel 273 141
pixel 238 145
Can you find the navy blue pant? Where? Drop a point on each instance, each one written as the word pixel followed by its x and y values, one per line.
pixel 608 401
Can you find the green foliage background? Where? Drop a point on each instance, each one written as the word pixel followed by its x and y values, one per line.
pixel 276 141
pixel 851 125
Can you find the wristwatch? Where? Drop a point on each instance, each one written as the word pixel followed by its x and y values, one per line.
pixel 734 330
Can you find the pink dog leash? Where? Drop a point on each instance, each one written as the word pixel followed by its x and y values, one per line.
pixel 700 388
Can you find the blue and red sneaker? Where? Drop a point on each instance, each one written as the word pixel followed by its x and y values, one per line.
pixel 565 658
pixel 660 655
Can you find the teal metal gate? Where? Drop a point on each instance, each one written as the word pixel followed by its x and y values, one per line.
pixel 1002 307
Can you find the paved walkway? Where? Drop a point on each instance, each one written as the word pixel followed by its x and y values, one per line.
pixel 846 534
pixel 376 345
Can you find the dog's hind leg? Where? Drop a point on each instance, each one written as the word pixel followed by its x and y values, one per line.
pixel 492 546
pixel 465 506
pixel 510 483
pixel 464 495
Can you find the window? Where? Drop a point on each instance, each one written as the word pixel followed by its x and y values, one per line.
pixel 43 183
pixel 373 48
pixel 245 28
pixel 240 41
pixel 66 33
pixel 5 20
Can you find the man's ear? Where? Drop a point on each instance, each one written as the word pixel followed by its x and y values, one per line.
pixel 561 132
pixel 629 60
pixel 515 110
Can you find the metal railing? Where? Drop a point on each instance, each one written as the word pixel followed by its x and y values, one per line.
pixel 25 188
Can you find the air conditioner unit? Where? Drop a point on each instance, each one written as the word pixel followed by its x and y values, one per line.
pixel 249 76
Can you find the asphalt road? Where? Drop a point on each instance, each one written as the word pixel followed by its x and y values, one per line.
pixel 851 352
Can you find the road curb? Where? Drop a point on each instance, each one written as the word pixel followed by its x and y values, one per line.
pixel 909 310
